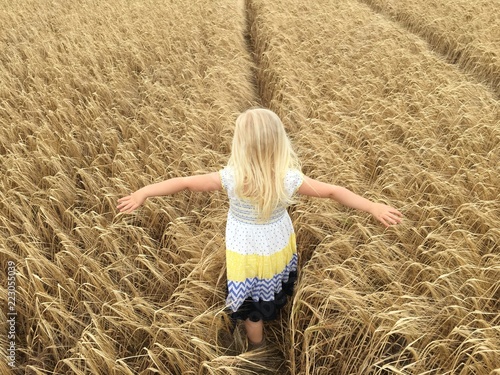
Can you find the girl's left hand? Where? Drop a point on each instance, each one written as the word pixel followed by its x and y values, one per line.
pixel 387 215
pixel 131 202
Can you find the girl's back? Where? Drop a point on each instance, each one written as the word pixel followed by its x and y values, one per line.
pixel 261 158
pixel 244 210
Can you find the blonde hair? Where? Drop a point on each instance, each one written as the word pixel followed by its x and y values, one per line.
pixel 260 157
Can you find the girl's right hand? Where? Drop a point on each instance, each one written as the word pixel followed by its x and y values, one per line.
pixel 130 202
pixel 387 215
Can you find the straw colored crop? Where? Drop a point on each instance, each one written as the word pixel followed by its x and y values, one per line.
pixel 369 106
pixel 100 98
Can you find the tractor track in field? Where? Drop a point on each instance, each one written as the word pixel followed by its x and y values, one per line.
pixel 464 59
pixel 247 14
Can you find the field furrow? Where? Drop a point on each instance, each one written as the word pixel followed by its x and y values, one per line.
pixel 465 32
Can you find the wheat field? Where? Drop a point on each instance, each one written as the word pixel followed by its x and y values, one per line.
pixel 396 101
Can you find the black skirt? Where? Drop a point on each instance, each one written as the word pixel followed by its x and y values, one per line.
pixel 266 310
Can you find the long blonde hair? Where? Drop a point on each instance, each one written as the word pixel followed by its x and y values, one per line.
pixel 260 157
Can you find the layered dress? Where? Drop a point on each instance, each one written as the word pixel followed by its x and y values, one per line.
pixel 261 257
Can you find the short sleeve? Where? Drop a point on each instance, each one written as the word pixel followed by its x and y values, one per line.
pixel 226 178
pixel 293 180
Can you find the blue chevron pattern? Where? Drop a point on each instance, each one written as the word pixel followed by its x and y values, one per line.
pixel 255 288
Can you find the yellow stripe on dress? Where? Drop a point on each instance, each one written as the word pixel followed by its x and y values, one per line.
pixel 241 267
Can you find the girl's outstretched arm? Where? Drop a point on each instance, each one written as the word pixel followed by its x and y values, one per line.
pixel 387 215
pixel 202 182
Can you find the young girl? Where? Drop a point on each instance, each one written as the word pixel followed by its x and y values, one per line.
pixel 261 179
